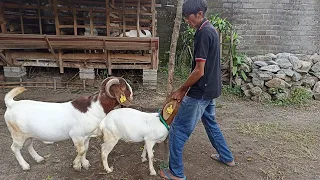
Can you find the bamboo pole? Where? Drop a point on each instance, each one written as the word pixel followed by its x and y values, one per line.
pixel 123 18
pixel 2 19
pixel 39 16
pixel 108 17
pixel 56 17
pixel 138 19
pixel 173 48
pixel 75 24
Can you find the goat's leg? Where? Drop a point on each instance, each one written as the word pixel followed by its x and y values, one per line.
pixel 109 142
pixel 33 152
pixel 144 154
pixel 79 144
pixel 150 145
pixel 84 160
pixel 16 148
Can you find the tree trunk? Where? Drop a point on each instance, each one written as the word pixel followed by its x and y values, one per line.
pixel 173 48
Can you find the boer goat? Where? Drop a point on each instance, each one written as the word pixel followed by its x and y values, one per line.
pixel 53 122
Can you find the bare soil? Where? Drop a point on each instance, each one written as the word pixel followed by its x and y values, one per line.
pixel 268 142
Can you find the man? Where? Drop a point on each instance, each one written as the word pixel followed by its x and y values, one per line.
pixel 198 93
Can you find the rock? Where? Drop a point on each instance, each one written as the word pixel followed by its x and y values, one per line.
pixel 283 95
pixel 316 67
pixel 309 81
pixel 316 88
pixel 238 81
pixel 272 63
pixel 277 83
pixel 249 79
pixel 296 76
pixel 284 63
pixel 316 96
pixel 261 58
pixel 273 56
pixel 260 63
pixel 271 68
pixel 256 98
pixel 303 57
pixel 255 67
pixel 256 91
pixel 280 76
pixel 306 66
pixel 315 58
pixel 265 75
pixel 257 82
pixel 288 72
pixel 265 97
pixel 316 74
pixel 250 85
pixel 283 55
pixel 247 93
pixel 296 84
pixel 272 91
pixel 296 63
pixel 287 79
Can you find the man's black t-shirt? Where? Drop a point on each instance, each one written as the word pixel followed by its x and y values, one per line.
pixel 207 48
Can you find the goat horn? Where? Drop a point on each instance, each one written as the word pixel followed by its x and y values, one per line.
pixel 109 84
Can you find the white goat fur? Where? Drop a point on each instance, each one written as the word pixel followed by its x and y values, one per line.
pixel 50 122
pixel 134 33
pixel 131 125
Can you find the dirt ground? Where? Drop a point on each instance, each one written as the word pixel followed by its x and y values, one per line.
pixel 268 142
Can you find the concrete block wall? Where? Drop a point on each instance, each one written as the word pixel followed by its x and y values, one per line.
pixel 273 26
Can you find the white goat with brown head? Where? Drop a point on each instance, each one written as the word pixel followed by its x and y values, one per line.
pixel 52 122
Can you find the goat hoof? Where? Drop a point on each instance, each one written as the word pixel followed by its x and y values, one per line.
pixel 144 160
pixel 109 170
pixel 39 159
pixel 26 167
pixel 85 164
pixel 77 167
pixel 153 173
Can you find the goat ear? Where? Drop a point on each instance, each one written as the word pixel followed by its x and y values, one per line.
pixel 121 97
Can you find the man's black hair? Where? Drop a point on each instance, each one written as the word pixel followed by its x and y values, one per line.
pixel 193 7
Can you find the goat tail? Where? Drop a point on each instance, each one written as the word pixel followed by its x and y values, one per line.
pixel 8 99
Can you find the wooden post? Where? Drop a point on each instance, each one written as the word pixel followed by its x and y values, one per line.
pixel 2 19
pixel 220 37
pixel 138 19
pixel 56 17
pixel 75 24
pixel 91 23
pixel 231 60
pixel 107 18
pixel 21 18
pixel 123 18
pixel 61 62
pixel 39 16
pixel 109 62
pixel 153 11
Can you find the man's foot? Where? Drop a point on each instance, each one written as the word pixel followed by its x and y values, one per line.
pixel 217 158
pixel 166 174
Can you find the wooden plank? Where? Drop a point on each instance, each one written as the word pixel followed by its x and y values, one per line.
pixel 109 62
pixel 91 22
pixel 123 18
pixel 56 18
pixel 2 19
pixel 17 6
pixel 39 16
pixel 107 18
pixel 153 11
pixel 75 24
pixel 61 62
pixel 5 59
pixel 21 18
pixel 138 19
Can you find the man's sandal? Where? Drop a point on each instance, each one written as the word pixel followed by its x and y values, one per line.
pixel 217 158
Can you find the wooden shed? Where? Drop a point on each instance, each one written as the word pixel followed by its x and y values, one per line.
pixel 96 34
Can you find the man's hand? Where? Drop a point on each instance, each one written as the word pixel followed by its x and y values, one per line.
pixel 179 94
